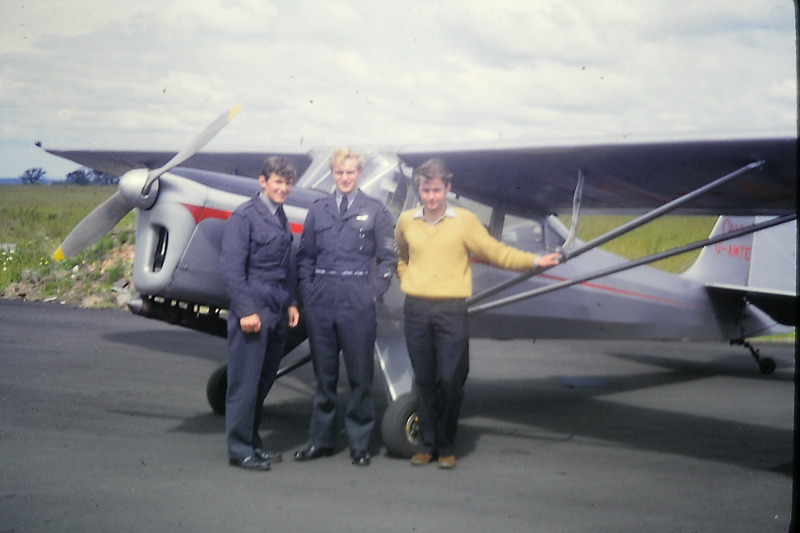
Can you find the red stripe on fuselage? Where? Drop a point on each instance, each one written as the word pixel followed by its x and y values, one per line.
pixel 201 213
pixel 618 291
pixel 601 287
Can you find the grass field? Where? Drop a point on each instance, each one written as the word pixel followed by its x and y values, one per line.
pixel 658 236
pixel 34 219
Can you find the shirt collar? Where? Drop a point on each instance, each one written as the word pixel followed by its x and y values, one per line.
pixel 272 206
pixel 350 196
pixel 448 212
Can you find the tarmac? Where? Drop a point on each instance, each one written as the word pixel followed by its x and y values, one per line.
pixel 106 428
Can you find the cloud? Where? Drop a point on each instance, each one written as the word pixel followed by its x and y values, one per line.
pixel 150 74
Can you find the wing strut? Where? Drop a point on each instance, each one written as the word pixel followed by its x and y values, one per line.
pixel 664 209
pixel 623 229
pixel 633 264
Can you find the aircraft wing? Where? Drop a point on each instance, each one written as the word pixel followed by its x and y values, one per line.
pixel 118 163
pixel 620 177
pixel 624 176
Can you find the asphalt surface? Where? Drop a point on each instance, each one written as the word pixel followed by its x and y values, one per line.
pixel 105 427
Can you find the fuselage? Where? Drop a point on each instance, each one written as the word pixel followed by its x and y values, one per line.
pixel 179 240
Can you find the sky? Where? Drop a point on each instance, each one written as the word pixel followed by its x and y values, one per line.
pixel 150 75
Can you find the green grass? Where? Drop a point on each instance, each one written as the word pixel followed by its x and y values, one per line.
pixel 657 236
pixel 37 218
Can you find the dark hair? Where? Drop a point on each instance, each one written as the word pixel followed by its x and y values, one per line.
pixel 431 170
pixel 281 166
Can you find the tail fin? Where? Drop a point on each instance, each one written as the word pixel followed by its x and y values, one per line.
pixel 727 262
pixel 761 266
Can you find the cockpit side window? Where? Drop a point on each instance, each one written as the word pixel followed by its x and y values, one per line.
pixel 518 231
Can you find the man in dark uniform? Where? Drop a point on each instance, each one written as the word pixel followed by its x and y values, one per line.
pixel 259 275
pixel 343 235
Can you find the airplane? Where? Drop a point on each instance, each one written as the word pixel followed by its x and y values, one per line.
pixel 743 284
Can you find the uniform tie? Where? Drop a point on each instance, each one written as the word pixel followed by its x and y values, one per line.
pixel 281 216
pixel 343 207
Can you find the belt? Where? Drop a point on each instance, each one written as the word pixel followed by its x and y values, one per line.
pixel 329 272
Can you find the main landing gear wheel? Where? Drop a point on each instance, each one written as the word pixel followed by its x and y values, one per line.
pixel 765 364
pixel 217 389
pixel 400 426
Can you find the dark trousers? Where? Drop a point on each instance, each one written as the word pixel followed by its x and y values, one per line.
pixel 340 317
pixel 253 360
pixel 437 336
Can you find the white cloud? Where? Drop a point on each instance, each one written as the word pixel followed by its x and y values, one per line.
pixel 150 74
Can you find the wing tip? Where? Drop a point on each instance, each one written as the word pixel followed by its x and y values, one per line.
pixel 232 113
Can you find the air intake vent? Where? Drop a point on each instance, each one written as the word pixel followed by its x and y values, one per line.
pixel 161 249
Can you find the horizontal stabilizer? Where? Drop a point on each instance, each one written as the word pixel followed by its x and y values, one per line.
pixel 780 305
pixel 762 267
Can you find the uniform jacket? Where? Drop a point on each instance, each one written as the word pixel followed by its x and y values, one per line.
pixel 350 244
pixel 256 263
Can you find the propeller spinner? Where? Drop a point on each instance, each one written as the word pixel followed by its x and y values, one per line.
pixel 135 191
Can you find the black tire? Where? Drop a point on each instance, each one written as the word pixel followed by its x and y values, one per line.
pixel 217 389
pixel 400 426
pixel 766 365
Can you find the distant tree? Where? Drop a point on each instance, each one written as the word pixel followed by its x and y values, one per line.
pixel 78 177
pixel 102 178
pixel 88 176
pixel 32 175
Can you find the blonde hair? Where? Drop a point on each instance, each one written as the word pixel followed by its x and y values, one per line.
pixel 340 154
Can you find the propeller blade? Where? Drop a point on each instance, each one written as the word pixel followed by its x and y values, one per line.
pixel 94 225
pixel 192 148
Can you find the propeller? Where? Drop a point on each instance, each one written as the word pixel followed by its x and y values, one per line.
pixel 135 188
pixel 192 148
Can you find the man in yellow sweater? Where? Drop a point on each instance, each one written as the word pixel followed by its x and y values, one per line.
pixel 434 244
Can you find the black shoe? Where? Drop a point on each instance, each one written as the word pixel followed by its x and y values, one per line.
pixel 312 452
pixel 251 462
pixel 361 458
pixel 270 457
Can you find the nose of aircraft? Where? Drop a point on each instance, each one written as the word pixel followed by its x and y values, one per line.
pixel 138 188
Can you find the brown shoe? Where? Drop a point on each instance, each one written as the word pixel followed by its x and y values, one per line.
pixel 448 462
pixel 421 458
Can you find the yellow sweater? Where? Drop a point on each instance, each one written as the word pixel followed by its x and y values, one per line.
pixel 434 259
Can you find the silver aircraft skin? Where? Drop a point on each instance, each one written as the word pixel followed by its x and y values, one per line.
pixel 738 288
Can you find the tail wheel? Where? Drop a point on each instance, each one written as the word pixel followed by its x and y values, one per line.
pixel 217 389
pixel 400 426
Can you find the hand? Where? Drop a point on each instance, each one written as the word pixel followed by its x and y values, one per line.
pixel 550 260
pixel 250 323
pixel 294 316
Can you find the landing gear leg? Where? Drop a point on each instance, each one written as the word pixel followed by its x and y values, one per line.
pixel 765 364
